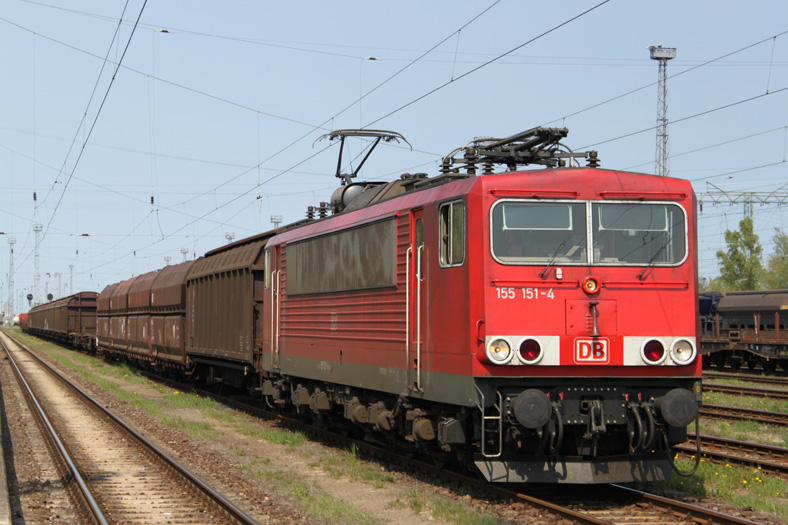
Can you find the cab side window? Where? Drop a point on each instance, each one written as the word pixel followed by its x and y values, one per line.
pixel 452 234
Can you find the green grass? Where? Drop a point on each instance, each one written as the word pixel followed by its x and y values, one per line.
pixel 348 465
pixel 457 512
pixel 738 485
pixel 443 508
pixel 746 430
pixel 757 403
pixel 275 436
pixel 322 505
pixel 309 497
pixel 195 429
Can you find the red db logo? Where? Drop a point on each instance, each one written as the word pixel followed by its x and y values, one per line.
pixel 592 351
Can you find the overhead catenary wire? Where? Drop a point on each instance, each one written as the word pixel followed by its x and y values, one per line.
pixel 689 117
pixel 534 39
pixel 220 198
pixel 403 107
pixel 361 97
pixel 674 75
pixel 92 127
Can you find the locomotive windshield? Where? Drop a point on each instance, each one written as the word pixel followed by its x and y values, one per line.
pixel 527 232
pixel 638 233
pixel 536 232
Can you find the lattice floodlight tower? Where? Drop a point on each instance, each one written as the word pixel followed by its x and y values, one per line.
pixel 37 228
pixel 662 55
pixel 11 243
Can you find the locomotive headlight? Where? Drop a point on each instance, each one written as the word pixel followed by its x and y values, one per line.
pixel 590 285
pixel 530 351
pixel 653 352
pixel 682 352
pixel 499 352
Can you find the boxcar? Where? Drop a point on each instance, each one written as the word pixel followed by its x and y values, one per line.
pixel 142 317
pixel 747 328
pixel 71 320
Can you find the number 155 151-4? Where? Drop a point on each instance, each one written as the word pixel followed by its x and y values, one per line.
pixel 527 293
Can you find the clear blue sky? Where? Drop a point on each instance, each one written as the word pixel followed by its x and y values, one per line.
pixel 216 117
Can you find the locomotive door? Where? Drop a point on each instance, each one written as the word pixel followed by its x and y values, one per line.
pixel 272 277
pixel 415 285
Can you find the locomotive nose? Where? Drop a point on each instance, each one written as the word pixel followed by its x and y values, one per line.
pixel 678 407
pixel 532 408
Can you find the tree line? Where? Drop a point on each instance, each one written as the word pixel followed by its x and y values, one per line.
pixel 741 265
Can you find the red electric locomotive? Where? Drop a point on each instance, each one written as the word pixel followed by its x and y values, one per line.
pixel 497 319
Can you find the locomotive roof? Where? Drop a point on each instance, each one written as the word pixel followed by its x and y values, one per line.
pixel 557 183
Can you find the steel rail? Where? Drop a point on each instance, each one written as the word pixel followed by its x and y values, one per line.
pixel 231 509
pixel 745 390
pixel 755 376
pixel 749 414
pixel 51 434
pixel 757 451
pixel 702 515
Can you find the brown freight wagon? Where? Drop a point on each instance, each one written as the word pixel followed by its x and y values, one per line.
pixel 224 321
pixel 71 320
pixel 143 317
pixel 747 328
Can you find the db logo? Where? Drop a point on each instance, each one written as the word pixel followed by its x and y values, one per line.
pixel 592 351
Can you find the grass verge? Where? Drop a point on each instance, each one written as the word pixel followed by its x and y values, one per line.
pixel 738 485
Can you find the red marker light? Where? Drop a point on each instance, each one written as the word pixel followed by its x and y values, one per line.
pixel 654 352
pixel 530 351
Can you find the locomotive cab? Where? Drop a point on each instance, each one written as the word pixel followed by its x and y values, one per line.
pixel 576 383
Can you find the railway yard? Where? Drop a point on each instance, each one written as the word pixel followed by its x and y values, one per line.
pixel 275 472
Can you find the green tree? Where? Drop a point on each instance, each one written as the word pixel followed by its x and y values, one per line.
pixel 710 284
pixel 740 266
pixel 777 275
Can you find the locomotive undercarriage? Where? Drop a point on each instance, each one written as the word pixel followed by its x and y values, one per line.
pixel 572 434
pixel 578 433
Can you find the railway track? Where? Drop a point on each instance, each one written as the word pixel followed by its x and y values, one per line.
pixel 755 376
pixel 745 390
pixel 119 475
pixel 768 457
pixel 746 414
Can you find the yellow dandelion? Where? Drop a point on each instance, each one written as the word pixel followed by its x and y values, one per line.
pixel 744 481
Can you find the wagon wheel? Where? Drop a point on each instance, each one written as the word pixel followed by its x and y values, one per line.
pixel 769 366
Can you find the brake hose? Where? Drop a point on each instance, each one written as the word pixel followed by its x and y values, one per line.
pixel 697 454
